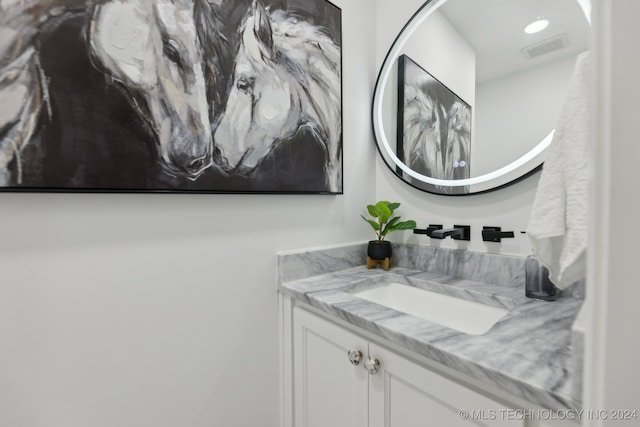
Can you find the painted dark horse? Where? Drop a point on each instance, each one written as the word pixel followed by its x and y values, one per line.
pixel 151 49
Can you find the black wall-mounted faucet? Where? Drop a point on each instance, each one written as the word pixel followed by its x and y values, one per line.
pixel 458 232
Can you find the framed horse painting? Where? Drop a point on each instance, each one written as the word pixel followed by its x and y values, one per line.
pixel 434 128
pixel 195 96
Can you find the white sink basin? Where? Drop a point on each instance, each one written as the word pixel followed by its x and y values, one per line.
pixel 465 316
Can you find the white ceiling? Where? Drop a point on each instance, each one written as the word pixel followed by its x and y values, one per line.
pixel 494 28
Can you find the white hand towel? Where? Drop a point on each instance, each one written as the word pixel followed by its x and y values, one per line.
pixel 558 225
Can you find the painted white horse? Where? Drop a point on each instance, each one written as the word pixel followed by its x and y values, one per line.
pixel 151 48
pixel 286 77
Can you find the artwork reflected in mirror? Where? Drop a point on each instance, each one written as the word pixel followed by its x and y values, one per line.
pixel 434 128
pixel 171 95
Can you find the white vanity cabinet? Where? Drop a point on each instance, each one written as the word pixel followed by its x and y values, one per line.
pixel 331 388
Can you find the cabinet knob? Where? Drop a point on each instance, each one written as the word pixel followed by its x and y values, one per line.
pixel 371 365
pixel 355 356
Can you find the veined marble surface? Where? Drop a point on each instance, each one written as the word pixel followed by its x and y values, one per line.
pixel 296 265
pixel 528 353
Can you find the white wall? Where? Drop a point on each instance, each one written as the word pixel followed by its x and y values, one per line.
pixel 506 127
pixel 440 49
pixel 509 208
pixel 160 310
pixel 612 372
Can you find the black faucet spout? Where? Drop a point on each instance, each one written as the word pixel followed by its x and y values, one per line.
pixel 458 232
pixel 445 232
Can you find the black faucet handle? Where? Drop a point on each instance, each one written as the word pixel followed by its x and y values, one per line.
pixel 465 233
pixel 495 234
pixel 433 227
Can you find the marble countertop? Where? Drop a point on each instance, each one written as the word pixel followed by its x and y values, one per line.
pixel 527 353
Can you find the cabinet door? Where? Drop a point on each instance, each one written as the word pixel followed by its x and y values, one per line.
pixel 328 389
pixel 405 394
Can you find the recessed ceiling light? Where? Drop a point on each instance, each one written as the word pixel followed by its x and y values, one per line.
pixel 536 26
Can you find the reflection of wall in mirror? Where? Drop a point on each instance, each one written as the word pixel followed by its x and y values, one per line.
pixel 439 48
pixel 506 126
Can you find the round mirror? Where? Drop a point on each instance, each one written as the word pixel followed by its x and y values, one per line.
pixel 469 92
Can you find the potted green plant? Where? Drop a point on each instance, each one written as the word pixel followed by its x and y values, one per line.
pixel 383 223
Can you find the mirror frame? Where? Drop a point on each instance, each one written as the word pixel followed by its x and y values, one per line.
pixel 518 170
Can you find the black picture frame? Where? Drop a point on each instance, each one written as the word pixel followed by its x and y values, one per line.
pixel 433 129
pixel 88 133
